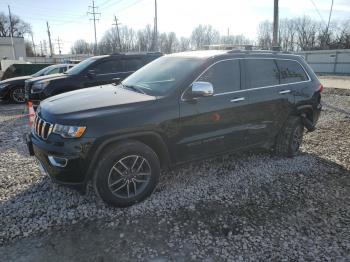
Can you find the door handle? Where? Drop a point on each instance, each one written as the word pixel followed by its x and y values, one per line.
pixel 238 99
pixel 284 92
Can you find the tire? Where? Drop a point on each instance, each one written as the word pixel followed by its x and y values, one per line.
pixel 111 173
pixel 290 137
pixel 17 95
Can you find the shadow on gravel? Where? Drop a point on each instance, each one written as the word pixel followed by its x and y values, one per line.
pixel 248 203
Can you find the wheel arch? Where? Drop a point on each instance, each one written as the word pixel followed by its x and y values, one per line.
pixel 307 110
pixel 150 138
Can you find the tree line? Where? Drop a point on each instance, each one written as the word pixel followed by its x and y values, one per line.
pixel 304 33
pixel 295 34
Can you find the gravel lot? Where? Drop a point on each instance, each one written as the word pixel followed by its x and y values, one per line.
pixel 238 207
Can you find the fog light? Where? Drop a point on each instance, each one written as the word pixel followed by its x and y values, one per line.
pixel 58 161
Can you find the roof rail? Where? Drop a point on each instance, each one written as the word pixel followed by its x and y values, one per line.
pixel 257 51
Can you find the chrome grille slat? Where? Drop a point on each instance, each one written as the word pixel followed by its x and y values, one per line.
pixel 42 128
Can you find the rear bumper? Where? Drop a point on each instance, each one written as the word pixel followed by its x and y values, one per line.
pixel 73 174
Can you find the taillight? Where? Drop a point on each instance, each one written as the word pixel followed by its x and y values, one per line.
pixel 320 88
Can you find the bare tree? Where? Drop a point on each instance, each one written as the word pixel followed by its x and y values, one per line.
pixel 82 47
pixel 19 27
pixel 265 35
pixel 204 35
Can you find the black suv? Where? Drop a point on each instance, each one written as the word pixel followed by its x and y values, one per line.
pixel 97 70
pixel 178 108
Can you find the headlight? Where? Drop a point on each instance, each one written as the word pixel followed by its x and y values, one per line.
pixel 69 131
pixel 39 86
pixel 3 86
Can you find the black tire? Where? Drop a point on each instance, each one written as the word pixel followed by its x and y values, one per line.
pixel 112 158
pixel 17 95
pixel 290 137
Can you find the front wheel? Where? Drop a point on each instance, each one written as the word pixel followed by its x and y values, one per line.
pixel 290 137
pixel 127 173
pixel 17 95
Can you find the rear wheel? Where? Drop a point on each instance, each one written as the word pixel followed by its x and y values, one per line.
pixel 290 137
pixel 127 173
pixel 17 95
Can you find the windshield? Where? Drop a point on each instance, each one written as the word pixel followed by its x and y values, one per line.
pixel 81 66
pixel 162 75
pixel 43 71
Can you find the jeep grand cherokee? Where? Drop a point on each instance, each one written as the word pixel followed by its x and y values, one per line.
pixel 178 108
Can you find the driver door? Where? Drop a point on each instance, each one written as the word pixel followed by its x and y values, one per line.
pixel 209 125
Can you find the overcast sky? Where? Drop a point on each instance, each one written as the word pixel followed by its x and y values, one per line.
pixel 69 21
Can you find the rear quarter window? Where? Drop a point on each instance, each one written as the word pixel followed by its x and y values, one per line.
pixel 260 73
pixel 291 71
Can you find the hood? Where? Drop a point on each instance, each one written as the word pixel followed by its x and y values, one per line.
pixel 91 99
pixel 14 80
pixel 49 77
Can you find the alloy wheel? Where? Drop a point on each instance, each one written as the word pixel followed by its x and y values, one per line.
pixel 129 176
pixel 18 95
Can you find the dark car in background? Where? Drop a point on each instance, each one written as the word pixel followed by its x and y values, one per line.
pixel 179 108
pixel 97 70
pixel 13 88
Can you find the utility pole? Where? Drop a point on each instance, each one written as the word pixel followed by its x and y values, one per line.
pixel 94 13
pixel 117 25
pixel 49 34
pixel 11 34
pixel 275 25
pixel 155 27
pixel 59 44
pixel 41 48
pixel 33 44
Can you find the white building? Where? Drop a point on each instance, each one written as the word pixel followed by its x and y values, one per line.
pixel 6 49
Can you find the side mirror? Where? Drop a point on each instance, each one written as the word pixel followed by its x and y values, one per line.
pixel 202 89
pixel 91 73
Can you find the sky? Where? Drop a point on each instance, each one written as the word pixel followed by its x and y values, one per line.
pixel 68 19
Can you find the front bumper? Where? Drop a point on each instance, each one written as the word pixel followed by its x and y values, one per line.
pixel 76 152
pixel 4 92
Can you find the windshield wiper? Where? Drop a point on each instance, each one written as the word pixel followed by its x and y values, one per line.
pixel 134 88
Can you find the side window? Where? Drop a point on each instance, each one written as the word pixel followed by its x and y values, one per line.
pixel 225 76
pixel 291 71
pixel 109 66
pixel 63 69
pixel 260 72
pixel 132 64
pixel 54 71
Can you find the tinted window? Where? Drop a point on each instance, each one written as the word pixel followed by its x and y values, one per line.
pixel 53 71
pixel 110 66
pixel 63 69
pixel 132 64
pixel 260 72
pixel 81 66
pixel 225 76
pixel 291 71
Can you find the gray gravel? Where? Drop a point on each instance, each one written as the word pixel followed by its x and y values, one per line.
pixel 237 207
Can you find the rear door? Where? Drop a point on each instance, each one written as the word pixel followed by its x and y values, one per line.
pixel 269 102
pixel 214 124
pixel 294 80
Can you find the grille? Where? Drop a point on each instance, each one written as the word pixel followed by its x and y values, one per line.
pixel 42 128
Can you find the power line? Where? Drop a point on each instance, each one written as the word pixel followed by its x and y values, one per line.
pixel 94 13
pixel 318 11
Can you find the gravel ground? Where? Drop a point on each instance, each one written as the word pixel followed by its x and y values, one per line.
pixel 237 207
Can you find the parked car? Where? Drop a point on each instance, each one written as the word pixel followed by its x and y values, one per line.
pixel 179 108
pixel 97 70
pixel 13 88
